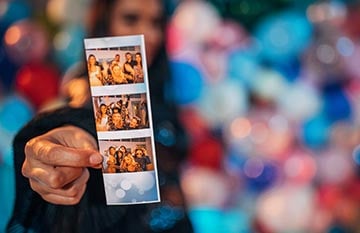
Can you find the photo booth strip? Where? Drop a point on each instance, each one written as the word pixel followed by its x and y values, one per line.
pixel 122 115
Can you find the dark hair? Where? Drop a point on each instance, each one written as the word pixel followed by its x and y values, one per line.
pixel 90 56
pixel 100 14
pixel 116 108
pixel 163 107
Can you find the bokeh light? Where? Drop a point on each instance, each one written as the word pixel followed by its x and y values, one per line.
pixel 222 102
pixel 299 101
pixel 187 82
pixel 47 79
pixel 26 41
pixel 12 11
pixel 68 44
pixel 268 92
pixel 11 122
pixel 335 167
pixel 290 203
pixel 197 16
pixel 283 35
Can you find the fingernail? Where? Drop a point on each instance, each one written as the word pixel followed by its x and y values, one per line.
pixel 95 159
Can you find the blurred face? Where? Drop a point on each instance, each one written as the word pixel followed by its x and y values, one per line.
pixel 129 17
pixel 138 58
pixel 128 56
pixel 112 151
pixel 116 118
pixel 133 123
pixel 123 149
pixel 127 159
pixel 92 60
pixel 116 70
pixel 103 109
pixel 139 153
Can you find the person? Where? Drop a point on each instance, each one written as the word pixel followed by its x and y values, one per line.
pixel 124 110
pixel 115 108
pixel 102 118
pixel 134 123
pixel 143 114
pixel 138 69
pixel 123 149
pixel 111 161
pixel 128 67
pixel 142 158
pixel 95 74
pixel 116 60
pixel 117 75
pixel 107 78
pixel 128 164
pixel 119 157
pixel 59 185
pixel 116 122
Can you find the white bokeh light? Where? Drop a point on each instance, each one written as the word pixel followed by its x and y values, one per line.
pixel 120 193
pixel 125 184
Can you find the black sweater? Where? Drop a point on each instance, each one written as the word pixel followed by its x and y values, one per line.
pixel 33 214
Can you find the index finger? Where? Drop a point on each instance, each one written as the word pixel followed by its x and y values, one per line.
pixel 57 155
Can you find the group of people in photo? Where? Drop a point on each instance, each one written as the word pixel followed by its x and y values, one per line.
pixel 123 159
pixel 115 72
pixel 122 114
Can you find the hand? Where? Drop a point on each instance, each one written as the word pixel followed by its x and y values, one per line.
pixel 56 164
pixel 77 91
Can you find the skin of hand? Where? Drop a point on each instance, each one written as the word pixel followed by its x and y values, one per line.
pixel 57 162
pixel 77 90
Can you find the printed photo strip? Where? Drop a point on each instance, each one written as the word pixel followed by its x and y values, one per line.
pixel 122 115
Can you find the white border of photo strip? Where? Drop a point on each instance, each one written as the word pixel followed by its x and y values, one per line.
pixel 128 187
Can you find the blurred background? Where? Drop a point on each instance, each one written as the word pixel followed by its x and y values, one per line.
pixel 268 92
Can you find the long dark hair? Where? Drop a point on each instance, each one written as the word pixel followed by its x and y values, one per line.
pixel 98 22
pixel 163 107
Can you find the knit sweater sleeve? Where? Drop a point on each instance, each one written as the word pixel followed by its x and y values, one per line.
pixel 33 214
pixel 27 202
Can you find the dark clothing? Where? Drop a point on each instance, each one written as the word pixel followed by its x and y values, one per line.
pixel 33 214
pixel 128 75
pixel 143 161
